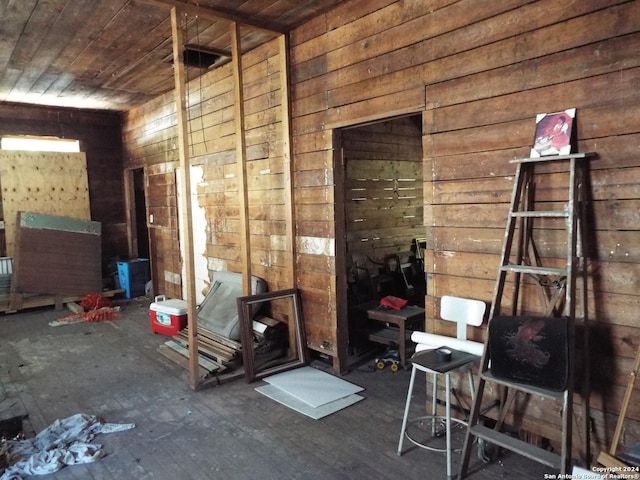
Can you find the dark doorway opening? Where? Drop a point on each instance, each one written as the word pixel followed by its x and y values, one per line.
pixel 384 232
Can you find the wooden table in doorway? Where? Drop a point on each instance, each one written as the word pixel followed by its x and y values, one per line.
pixel 407 319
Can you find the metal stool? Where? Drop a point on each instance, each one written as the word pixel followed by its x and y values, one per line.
pixel 428 358
pixel 436 362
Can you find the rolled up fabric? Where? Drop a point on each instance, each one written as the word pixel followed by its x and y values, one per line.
pixel 430 341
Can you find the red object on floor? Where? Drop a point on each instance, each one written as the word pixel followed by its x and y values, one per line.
pixel 168 317
pixel 393 302
pixel 94 301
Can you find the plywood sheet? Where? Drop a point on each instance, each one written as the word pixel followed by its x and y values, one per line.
pixel 56 255
pixel 312 386
pixel 294 403
pixel 310 391
pixel 42 182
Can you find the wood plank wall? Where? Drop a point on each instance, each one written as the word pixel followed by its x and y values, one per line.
pixel 383 187
pixel 100 135
pixel 478 73
pixel 150 140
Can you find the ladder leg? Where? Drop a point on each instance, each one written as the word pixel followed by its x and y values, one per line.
pixel 468 438
pixel 586 383
pixel 567 422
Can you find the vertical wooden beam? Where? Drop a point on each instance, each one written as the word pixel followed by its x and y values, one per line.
pixel 130 211
pixel 185 177
pixel 241 159
pixel 287 170
pixel 285 101
pixel 342 303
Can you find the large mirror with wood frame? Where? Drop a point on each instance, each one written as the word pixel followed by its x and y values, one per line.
pixel 273 339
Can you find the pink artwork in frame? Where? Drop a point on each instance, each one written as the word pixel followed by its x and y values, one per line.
pixel 553 133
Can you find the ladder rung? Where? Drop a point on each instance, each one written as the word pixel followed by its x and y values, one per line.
pixel 538 454
pixel 542 214
pixel 534 270
pixel 543 392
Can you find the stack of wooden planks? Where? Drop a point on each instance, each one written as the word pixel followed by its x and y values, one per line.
pixel 216 354
pixel 213 345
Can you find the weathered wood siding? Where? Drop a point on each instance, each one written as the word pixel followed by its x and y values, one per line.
pixel 100 135
pixel 150 138
pixel 478 72
pixel 383 187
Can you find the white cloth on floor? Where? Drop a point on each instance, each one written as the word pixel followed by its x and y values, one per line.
pixel 64 442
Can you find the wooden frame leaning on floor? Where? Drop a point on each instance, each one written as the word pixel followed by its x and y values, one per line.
pixel 296 352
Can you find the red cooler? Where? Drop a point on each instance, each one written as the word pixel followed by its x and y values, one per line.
pixel 168 317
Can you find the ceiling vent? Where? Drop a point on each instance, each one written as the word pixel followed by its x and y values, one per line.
pixel 199 57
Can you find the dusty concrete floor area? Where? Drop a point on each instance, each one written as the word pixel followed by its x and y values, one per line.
pixel 112 370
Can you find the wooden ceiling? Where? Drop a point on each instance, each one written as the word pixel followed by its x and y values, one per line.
pixel 117 54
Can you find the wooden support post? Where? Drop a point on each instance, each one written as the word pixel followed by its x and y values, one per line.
pixel 339 173
pixel 183 149
pixel 290 255
pixel 285 102
pixel 130 212
pixel 241 160
pixel 57 305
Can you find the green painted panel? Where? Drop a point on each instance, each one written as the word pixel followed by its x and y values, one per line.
pixel 54 222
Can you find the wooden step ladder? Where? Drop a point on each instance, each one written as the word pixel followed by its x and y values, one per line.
pixel 520 260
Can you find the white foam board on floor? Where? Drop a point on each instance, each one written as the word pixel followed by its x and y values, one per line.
pixel 280 396
pixel 312 386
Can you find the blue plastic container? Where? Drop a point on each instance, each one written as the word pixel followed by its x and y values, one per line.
pixel 133 275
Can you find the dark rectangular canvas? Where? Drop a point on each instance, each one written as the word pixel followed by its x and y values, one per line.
pixel 530 350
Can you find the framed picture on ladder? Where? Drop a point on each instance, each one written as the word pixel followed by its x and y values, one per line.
pixel 553 133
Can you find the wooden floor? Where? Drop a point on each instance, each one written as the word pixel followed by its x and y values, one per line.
pixel 112 370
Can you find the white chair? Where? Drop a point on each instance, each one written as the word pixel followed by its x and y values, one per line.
pixel 464 312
